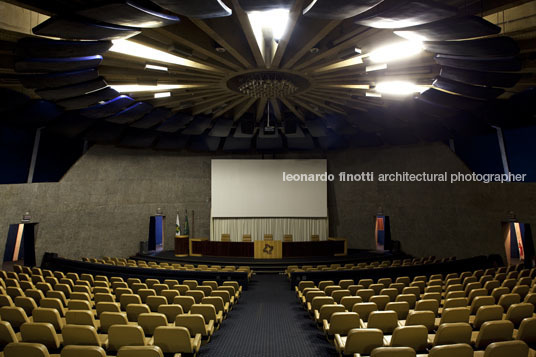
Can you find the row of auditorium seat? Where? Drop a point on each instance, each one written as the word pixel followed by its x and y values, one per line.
pixel 48 312
pixel 167 266
pixel 367 265
pixel 484 312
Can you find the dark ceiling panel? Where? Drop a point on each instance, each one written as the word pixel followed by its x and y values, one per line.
pixel 272 143
pixel 138 139
pixel 453 28
pixel 106 109
pixel 237 144
pixel 130 114
pixel 45 48
pixel 197 126
pixel 483 47
pixel 90 99
pixel 73 90
pixel 490 64
pixel 304 143
pixel 399 136
pixel 155 117
pixel 467 90
pixel 105 133
pixel 45 65
pixel 172 142
pixel 71 28
pixel 55 80
pixel 10 99
pixel 205 143
pixel 129 13
pixel 297 134
pixel 222 128
pixel 332 141
pixel 338 9
pixel 175 123
pixel 449 100
pixel 201 9
pixel 316 128
pixel 399 14
pixel 488 79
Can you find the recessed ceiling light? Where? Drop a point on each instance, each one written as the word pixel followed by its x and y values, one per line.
pixel 376 67
pixel 314 50
pixel 162 95
pixel 131 48
pixel 373 95
pixel 156 68
pixel 275 20
pixel 396 51
pixel 399 88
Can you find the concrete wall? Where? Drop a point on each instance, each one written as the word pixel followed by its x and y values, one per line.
pixel 102 206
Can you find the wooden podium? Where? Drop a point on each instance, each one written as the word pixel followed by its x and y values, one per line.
pixel 268 249
pixel 182 246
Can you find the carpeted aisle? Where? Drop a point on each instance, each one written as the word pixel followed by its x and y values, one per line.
pixel 268 322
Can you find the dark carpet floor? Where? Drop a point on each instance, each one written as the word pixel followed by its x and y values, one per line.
pixel 268 322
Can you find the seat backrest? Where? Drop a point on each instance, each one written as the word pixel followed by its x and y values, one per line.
pixel 400 307
pixel 365 294
pixel 427 305
pixel 171 311
pixel 456 332
pixel 127 299
pixel 326 311
pixel 26 349
pixel 342 322
pixel 79 304
pixel 391 292
pixel 409 298
pixel 198 295
pixel 151 320
pixel 133 310
pixel 225 237
pixel 455 314
pixel 215 301
pixel 364 309
pixel 26 303
pixel 315 238
pixel 507 348
pixel 83 351
pixel 479 301
pixel 456 349
pixel 108 319
pixel 154 302
pixel 125 335
pixel 287 238
pixel 527 331
pixel 14 315
pixel 349 301
pixel 7 335
pixel 494 331
pixel 487 313
pixel 80 335
pixel 50 315
pixel 508 299
pixel 246 238
pixel 186 302
pixel 424 318
pixel 195 323
pixel 268 237
pixel 517 312
pixel 207 311
pixel 80 317
pixel 380 300
pixel 393 352
pixel 139 351
pixel 172 339
pixel 363 341
pixel 386 321
pixel 40 332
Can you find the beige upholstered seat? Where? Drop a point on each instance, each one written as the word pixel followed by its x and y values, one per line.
pixel 176 339
pixel 7 335
pixel 83 351
pixel 225 237
pixel 26 349
pixel 415 337
pixel 393 352
pixel 386 321
pixel 457 350
pixel 139 351
pixel 287 238
pixel 125 335
pixel 83 335
pixel 43 314
pixel 208 312
pixel 108 319
pixel 40 332
pixel 361 341
pixel 449 333
pixel 340 323
pixel 246 238
pixel 315 238
pixel 487 313
pixel 494 331
pixel 195 323
pixel 14 315
pixel 507 348
pixel 423 318
pixel 151 320
pixel 268 236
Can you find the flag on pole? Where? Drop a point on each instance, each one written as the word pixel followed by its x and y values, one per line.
pixel 177 227
pixel 186 228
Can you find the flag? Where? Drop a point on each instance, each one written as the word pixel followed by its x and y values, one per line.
pixel 177 227
pixel 186 228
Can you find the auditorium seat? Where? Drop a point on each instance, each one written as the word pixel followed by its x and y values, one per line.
pixel 400 307
pixel 108 319
pixel 225 237
pixel 14 315
pixel 126 335
pixel 487 313
pixel 393 352
pixel 139 351
pixel 18 349
pixel 176 339
pixel 268 236
pixel 449 333
pixel 83 335
pixel 493 331
pixel 82 317
pixel 517 312
pixel 246 238
pixel 325 312
pixel 134 310
pixel 40 332
pixel 195 323
pixel 340 323
pixel 456 349
pixel 82 351
pixel 423 318
pixel 507 348
pixel 361 341
pixel 151 320
pixel 52 316
pixel 7 335
pixel 386 321
pixel 287 238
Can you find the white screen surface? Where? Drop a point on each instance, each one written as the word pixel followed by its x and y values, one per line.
pixel 255 188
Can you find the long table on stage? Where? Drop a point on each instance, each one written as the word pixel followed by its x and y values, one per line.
pixel 330 247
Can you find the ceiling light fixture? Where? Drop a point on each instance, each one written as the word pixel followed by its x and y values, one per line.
pixel 399 88
pixel 131 48
pixel 376 67
pixel 275 20
pixel 396 51
pixel 162 95
pixel 156 68
pixel 131 88
pixel 373 95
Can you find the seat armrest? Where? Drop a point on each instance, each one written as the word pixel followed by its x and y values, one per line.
pixel 210 326
pixel 325 325
pixel 196 345
pixel 339 342
pixel 317 315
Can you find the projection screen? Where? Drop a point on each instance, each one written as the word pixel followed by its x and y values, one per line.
pixel 256 188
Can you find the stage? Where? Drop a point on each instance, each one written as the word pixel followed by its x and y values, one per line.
pixel 272 265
